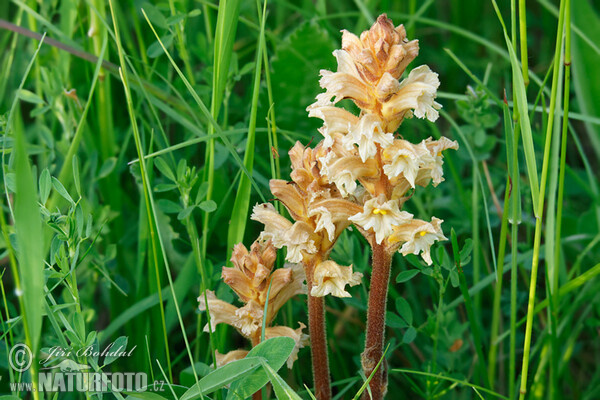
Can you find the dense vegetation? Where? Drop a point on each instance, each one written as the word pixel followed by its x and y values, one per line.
pixel 136 138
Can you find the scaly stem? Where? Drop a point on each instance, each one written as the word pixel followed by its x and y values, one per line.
pixel 318 341
pixel 380 278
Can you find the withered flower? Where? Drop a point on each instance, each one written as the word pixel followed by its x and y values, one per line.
pixel 250 278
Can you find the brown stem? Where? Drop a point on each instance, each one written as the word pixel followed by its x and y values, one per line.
pixel 380 278
pixel 318 343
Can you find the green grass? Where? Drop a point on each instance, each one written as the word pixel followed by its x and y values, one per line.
pixel 123 199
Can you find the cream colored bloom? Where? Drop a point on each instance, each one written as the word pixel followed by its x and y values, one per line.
pixel 299 337
pixel 436 147
pixel 331 278
pixel 366 134
pixel 275 224
pixel 416 96
pixel 403 157
pixel 335 120
pixel 345 83
pixel 249 318
pixel 381 216
pixel 297 240
pixel 344 171
pixel 418 236
pixel 324 221
pixel 220 311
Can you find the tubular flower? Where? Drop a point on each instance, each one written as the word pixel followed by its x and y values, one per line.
pixel 331 278
pixel 252 278
pixel 381 216
pixel 417 237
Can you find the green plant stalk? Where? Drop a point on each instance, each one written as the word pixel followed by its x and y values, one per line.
pixel 523 37
pixel 496 312
pixel 239 213
pixel 65 173
pixel 195 241
pixel 432 367
pixel 272 133
pixel 185 57
pixel 554 301
pixel 542 192
pixel 227 19
pixel 151 222
pixel 375 337
pixel 551 349
pixel 515 207
pixel 464 288
pixel 475 235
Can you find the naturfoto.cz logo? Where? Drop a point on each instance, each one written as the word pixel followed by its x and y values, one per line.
pixel 70 376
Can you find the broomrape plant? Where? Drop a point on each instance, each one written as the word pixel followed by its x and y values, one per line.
pixel 361 173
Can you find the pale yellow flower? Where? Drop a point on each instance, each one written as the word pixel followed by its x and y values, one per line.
pixel 331 278
pixel 418 236
pixel 324 221
pixel 405 158
pixel 220 312
pixel 367 134
pixel 436 147
pixel 416 96
pixel 381 216
pixel 275 224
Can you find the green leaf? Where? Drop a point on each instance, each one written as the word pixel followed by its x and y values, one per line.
pixel 208 206
pixel 405 276
pixel 45 185
pixel 61 190
pixel 282 390
pixel 155 15
pixel 465 252
pixel 155 49
pixel 168 206
pixel 30 240
pixel 393 320
pixel 164 169
pixel 185 213
pixel 234 371
pixel 276 351
pixel 175 19
pixel 118 346
pixel 528 148
pixel 30 97
pixel 409 335
pixel 107 167
pixel 404 310
pixel 76 178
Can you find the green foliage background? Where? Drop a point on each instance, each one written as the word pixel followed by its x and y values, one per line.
pixel 120 237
